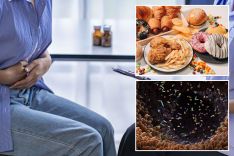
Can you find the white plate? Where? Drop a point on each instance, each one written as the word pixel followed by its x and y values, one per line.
pixel 147 49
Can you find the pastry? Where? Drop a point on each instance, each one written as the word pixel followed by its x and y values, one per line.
pixel 182 29
pixel 139 52
pixel 166 23
pixel 172 11
pixel 217 46
pixel 159 12
pixel 144 13
pixel 197 17
pixel 220 29
pixel 184 36
pixel 198 41
pixel 155 25
pixel 155 20
pixel 177 22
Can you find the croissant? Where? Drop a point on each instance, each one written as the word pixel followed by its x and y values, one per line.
pixel 155 25
pixel 172 11
pixel 166 23
pixel 144 13
pixel 159 12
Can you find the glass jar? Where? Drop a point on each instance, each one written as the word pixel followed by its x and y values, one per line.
pixel 97 36
pixel 107 36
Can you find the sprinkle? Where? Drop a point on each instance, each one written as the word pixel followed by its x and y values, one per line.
pixel 179 95
pixel 161 102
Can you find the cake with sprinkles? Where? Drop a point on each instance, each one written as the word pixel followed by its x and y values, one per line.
pixel 182 115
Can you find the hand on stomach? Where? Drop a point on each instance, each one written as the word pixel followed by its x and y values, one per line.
pixel 35 70
pixel 12 74
pixel 24 75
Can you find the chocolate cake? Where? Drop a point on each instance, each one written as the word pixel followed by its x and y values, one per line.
pixel 187 115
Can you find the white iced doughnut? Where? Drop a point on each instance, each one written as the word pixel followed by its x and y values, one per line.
pixel 217 46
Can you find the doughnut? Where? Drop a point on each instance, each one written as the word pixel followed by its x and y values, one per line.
pixel 186 115
pixel 217 46
pixel 198 41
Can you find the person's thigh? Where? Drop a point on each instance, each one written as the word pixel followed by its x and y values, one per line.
pixel 37 133
pixel 50 103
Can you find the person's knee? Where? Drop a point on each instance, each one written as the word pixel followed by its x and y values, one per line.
pixel 106 127
pixel 89 143
pixel 95 138
pixel 96 142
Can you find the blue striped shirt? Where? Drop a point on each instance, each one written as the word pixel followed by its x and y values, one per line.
pixel 231 69
pixel 25 34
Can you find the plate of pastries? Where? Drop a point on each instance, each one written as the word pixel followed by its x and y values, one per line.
pixel 155 20
pixel 168 37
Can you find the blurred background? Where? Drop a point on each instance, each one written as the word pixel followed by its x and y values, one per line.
pixel 92 83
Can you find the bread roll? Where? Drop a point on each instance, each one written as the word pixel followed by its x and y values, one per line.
pixel 197 17
pixel 144 13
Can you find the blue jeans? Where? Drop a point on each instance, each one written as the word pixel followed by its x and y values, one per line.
pixel 44 124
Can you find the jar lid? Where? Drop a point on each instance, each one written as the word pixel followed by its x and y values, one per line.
pixel 97 27
pixel 106 27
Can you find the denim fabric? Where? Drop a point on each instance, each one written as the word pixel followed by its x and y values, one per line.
pixel 44 124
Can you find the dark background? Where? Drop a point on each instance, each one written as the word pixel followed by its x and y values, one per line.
pixel 199 2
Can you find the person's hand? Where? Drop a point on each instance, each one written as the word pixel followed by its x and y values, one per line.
pixel 35 70
pixel 13 74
